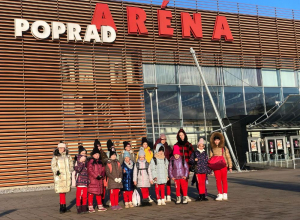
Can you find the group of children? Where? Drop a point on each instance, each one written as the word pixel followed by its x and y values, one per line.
pixel 124 172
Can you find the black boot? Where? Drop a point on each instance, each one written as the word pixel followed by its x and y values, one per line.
pixel 204 198
pixel 84 209
pixel 61 209
pixel 65 208
pixel 79 209
pixel 198 198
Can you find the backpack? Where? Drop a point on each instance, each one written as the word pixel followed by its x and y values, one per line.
pixel 155 160
pixel 138 167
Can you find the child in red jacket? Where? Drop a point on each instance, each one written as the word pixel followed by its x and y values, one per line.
pixel 96 172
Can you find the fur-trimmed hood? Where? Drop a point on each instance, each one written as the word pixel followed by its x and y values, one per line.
pixel 156 154
pixel 56 152
pixel 222 140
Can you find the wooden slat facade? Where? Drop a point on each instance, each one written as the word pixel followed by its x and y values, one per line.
pixel 75 92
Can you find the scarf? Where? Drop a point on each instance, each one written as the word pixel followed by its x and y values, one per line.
pixel 129 165
pixel 201 151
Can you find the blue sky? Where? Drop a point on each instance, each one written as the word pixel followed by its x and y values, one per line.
pixel 290 4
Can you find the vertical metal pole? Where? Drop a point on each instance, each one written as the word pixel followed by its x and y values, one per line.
pixel 237 166
pixel 152 119
pixel 204 116
pixel 156 99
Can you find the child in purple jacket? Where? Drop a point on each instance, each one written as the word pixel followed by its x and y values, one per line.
pixel 81 177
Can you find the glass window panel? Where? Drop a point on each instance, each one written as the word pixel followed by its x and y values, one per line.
pixel 254 100
pixel 271 95
pixel 210 74
pixel 149 73
pixel 270 78
pixel 165 74
pixel 251 77
pixel 188 75
pixel 234 101
pixel 287 78
pixel 191 98
pixel 232 76
pixel 217 94
pixel 289 91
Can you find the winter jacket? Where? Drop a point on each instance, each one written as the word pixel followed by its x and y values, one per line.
pixel 168 149
pixel 141 176
pixel 132 156
pixel 95 168
pixel 185 147
pixel 113 170
pixel 63 163
pixel 177 170
pixel 127 176
pixel 160 169
pixel 201 165
pixel 148 154
pixel 81 174
pixel 103 157
pixel 217 150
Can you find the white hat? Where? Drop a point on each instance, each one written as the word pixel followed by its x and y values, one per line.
pixel 61 145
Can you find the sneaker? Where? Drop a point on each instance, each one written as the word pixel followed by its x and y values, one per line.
pixel 225 197
pixel 185 200
pixel 119 207
pixel 168 199
pixel 126 205
pixel 101 208
pixel 159 202
pixel 91 209
pixel 188 199
pixel 163 202
pixel 131 205
pixel 178 200
pixel 219 197
pixel 150 200
pixel 114 208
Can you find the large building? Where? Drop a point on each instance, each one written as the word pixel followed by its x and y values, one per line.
pixel 74 71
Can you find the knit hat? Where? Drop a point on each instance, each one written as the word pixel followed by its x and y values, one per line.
pixel 80 149
pixel 141 153
pixel 126 154
pixel 112 153
pixel 61 145
pixel 162 136
pixel 144 140
pixel 96 143
pixel 176 150
pixel 95 151
pixel 125 143
pixel 109 144
pixel 201 141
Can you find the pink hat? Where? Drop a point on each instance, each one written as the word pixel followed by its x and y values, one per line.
pixel 176 150
pixel 201 141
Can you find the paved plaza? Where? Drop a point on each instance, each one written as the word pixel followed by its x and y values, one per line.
pixel 266 194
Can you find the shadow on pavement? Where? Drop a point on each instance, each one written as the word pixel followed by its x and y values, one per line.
pixel 7 212
pixel 72 203
pixel 267 184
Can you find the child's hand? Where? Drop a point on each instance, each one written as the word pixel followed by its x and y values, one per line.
pixel 196 159
pixel 151 182
pixel 173 179
pixel 184 177
pixel 155 179
pixel 124 171
pixel 134 182
pixel 168 178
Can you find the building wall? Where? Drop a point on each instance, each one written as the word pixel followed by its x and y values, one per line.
pixel 75 92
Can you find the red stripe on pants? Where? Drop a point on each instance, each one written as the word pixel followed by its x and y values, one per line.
pixel 62 198
pixel 169 187
pixel 81 195
pixel 127 196
pixel 181 184
pixel 145 193
pixel 98 198
pixel 201 178
pixel 221 179
pixel 114 197
pixel 161 188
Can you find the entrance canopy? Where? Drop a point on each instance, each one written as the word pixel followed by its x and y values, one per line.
pixel 285 117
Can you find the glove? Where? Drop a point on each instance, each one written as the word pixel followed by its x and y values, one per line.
pixel 98 177
pixel 58 173
pixel 120 180
pixel 116 180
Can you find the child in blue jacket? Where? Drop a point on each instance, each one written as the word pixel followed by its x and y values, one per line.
pixel 127 180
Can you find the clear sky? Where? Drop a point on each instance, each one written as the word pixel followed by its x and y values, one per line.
pixel 289 4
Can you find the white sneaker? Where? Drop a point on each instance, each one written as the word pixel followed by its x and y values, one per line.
pixel 225 197
pixel 163 202
pixel 159 202
pixel 188 199
pixel 219 197
pixel 185 200
pixel 168 199
pixel 150 200
pixel 178 199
